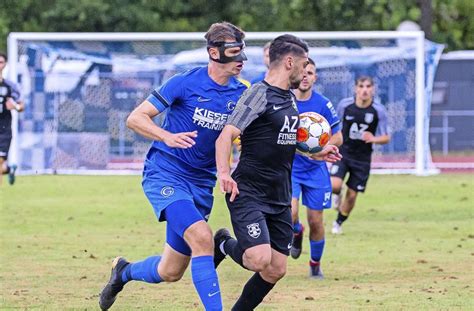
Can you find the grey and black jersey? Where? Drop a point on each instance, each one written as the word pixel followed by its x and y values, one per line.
pixel 7 89
pixel 268 119
pixel 355 121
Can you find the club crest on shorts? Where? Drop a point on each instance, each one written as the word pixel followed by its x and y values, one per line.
pixel 167 191
pixel 254 230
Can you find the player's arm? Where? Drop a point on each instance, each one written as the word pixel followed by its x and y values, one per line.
pixel 223 150
pixel 336 139
pixel 382 133
pixel 140 121
pixel 330 153
pixel 12 104
pixel 15 102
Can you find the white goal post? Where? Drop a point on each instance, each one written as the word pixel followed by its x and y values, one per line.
pixel 17 53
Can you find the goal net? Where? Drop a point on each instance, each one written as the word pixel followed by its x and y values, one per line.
pixel 80 87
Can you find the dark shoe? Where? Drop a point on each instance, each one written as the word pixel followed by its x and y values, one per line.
pixel 315 271
pixel 221 235
pixel 297 246
pixel 115 285
pixel 11 174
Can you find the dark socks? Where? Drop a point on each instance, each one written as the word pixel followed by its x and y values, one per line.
pixel 253 293
pixel 233 249
pixel 341 218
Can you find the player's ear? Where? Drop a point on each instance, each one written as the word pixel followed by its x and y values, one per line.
pixel 213 53
pixel 289 62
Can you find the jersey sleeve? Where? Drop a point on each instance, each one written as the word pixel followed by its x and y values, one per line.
pixel 171 91
pixel 342 106
pixel 251 105
pixel 331 116
pixel 15 90
pixel 382 126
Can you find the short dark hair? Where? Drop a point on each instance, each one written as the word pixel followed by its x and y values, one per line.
pixel 4 56
pixel 364 78
pixel 286 44
pixel 311 62
pixel 224 30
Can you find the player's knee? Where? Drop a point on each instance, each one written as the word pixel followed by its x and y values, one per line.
pixel 276 273
pixel 201 240
pixel 315 225
pixel 258 261
pixel 171 275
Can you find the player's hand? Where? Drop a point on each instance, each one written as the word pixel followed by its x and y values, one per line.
pixel 10 104
pixel 182 140
pixel 228 185
pixel 368 137
pixel 330 153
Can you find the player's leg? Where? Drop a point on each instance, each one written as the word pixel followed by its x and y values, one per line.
pixel 169 267
pixel 251 248
pixel 338 172
pixel 298 228
pixel 316 200
pixel 316 242
pixel 2 168
pixel 260 284
pixel 359 175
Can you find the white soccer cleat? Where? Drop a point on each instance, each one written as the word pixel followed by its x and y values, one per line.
pixel 336 228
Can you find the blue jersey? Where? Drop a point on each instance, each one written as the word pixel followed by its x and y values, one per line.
pixel 194 102
pixel 303 167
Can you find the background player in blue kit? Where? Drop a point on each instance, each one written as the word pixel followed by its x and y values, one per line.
pixel 364 122
pixel 310 178
pixel 180 170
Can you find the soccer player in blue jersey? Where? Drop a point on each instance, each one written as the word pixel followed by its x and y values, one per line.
pixel 310 178
pixel 180 169
pixel 364 123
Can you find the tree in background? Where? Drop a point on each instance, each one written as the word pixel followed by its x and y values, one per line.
pixel 444 21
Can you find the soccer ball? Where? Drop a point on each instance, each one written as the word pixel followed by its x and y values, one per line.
pixel 313 133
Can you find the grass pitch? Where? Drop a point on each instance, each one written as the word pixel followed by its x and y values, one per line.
pixel 408 245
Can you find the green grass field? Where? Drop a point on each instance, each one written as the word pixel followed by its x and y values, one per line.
pixel 408 245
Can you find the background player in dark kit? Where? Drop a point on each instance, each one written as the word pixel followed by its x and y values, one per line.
pixel 364 122
pixel 9 101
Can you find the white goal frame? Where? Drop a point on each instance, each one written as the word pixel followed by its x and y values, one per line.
pixel 422 156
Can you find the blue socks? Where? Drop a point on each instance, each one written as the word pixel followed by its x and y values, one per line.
pixel 297 227
pixel 206 282
pixel 146 271
pixel 202 269
pixel 317 248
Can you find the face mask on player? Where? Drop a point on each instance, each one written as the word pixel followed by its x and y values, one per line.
pixel 225 56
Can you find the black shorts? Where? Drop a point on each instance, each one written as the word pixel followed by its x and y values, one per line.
pixel 5 141
pixel 359 172
pixel 257 223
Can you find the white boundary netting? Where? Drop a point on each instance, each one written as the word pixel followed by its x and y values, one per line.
pixel 79 89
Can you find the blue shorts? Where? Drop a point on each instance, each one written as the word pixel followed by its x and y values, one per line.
pixel 313 198
pixel 179 203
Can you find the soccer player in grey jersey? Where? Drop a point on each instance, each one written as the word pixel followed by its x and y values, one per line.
pixel 364 123
pixel 259 191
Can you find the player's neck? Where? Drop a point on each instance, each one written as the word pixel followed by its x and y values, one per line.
pixel 218 76
pixel 275 78
pixel 303 95
pixel 363 103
